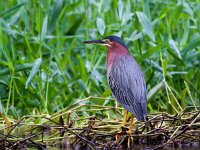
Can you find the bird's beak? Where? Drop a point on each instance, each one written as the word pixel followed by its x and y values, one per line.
pixel 98 42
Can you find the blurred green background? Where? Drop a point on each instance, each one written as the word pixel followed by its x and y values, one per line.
pixel 44 66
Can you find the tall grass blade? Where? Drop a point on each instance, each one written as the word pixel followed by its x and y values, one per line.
pixel 100 26
pixel 146 24
pixel 153 90
pixel 44 28
pixel 173 46
pixel 12 9
pixel 120 9
pixel 56 12
pixel 34 71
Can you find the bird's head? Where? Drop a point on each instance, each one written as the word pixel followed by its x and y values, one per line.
pixel 109 42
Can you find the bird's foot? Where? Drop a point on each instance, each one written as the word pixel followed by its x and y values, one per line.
pixel 125 137
pixel 130 138
pixel 120 136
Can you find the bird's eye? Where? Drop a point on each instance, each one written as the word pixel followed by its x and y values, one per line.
pixel 106 40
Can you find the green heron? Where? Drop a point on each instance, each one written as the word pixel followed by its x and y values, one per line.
pixel 125 78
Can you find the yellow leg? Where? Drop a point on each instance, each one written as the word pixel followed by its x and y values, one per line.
pixel 130 131
pixel 131 124
pixel 123 123
pixel 124 120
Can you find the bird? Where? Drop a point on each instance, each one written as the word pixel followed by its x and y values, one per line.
pixel 125 79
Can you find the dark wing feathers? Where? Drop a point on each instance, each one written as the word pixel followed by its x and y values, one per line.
pixel 128 86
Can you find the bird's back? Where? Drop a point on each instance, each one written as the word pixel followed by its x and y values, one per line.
pixel 127 83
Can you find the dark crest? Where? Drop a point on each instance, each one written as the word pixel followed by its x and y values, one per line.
pixel 116 39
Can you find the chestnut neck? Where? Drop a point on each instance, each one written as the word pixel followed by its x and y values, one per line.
pixel 115 52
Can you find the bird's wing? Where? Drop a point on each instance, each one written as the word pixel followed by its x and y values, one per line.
pixel 128 86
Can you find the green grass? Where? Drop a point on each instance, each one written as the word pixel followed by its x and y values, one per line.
pixel 44 66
